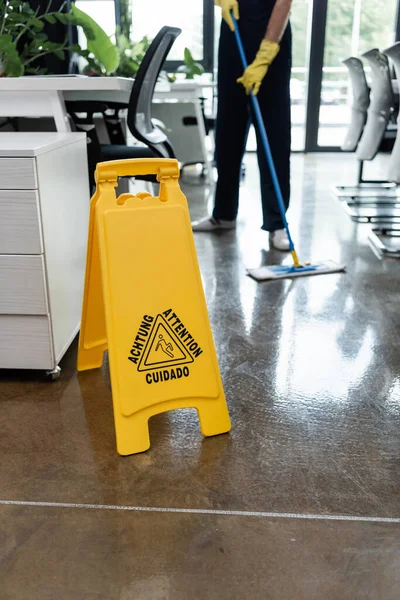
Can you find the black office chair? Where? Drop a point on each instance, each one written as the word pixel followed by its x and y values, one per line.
pixel 139 121
pixel 82 116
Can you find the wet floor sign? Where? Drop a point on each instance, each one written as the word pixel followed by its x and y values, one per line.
pixel 144 301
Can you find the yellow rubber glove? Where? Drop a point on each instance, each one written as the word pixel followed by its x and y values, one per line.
pixel 254 74
pixel 228 6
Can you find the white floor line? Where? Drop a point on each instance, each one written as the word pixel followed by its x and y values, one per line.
pixel 201 511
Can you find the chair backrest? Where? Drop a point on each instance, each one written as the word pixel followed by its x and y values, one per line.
pixel 394 165
pixel 360 89
pixel 139 109
pixel 360 93
pixel 381 106
pixel 382 99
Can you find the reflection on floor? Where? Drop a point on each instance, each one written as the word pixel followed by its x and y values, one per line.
pixel 311 370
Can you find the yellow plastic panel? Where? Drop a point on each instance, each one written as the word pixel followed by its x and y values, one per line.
pixel 161 350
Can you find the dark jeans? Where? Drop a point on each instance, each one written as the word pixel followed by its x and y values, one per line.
pixel 233 121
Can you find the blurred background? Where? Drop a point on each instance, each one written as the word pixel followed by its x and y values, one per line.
pixel 324 33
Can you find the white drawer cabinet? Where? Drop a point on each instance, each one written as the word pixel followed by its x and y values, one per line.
pixel 20 228
pixel 44 213
pixel 23 285
pixel 18 173
pixel 26 342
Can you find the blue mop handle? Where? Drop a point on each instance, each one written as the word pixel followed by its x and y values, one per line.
pixel 264 138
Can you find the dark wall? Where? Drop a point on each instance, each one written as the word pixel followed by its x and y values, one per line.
pixel 55 33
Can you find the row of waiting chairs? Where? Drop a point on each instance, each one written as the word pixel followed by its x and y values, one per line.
pixel 374 128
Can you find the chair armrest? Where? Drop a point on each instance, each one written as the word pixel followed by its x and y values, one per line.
pixel 117 105
pixel 86 106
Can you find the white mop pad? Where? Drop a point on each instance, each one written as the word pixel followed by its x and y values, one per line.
pixel 284 271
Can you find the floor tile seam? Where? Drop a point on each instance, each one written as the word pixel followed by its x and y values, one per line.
pixel 203 511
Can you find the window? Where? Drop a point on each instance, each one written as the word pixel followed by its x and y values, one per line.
pixel 102 11
pixel 187 16
pixel 352 27
pixel 300 22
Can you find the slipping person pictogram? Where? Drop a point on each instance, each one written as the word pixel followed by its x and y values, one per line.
pixel 167 348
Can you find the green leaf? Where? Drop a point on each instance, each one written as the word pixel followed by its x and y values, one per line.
pixel 62 18
pixel 190 68
pixel 72 19
pixel 188 58
pixel 17 16
pixel 26 7
pixel 101 46
pixel 51 46
pixel 36 71
pixel 9 57
pixel 50 19
pixel 38 41
pixel 14 66
pixel 6 41
pixel 123 43
pixel 69 18
pixel 59 53
pixel 37 24
pixel 75 48
pixel 41 37
pixel 198 69
pixel 138 48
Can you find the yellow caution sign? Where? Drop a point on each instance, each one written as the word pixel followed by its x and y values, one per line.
pixel 144 301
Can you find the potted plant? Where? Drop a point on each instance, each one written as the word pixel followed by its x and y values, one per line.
pixel 23 41
pixel 101 53
pixel 191 67
pixel 130 55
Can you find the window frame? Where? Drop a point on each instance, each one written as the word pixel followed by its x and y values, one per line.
pixel 315 77
pixel 208 37
pixel 315 61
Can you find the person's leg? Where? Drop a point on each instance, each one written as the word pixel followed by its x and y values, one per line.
pixel 274 99
pixel 231 128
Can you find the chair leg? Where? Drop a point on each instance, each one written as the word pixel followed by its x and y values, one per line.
pixel 360 171
pixel 114 128
pixel 383 249
pixel 366 188
pixel 92 143
pixel 388 213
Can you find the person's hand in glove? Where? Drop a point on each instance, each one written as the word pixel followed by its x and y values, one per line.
pixel 254 74
pixel 228 6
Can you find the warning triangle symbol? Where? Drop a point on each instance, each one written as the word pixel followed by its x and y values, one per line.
pixel 163 348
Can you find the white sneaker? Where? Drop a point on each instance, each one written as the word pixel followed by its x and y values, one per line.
pixel 279 240
pixel 212 224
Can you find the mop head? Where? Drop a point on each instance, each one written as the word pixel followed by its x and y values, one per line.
pixel 284 271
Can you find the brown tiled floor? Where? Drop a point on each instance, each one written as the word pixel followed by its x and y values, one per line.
pixel 311 372
pixel 71 554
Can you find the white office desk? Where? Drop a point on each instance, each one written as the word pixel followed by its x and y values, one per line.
pixel 46 96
